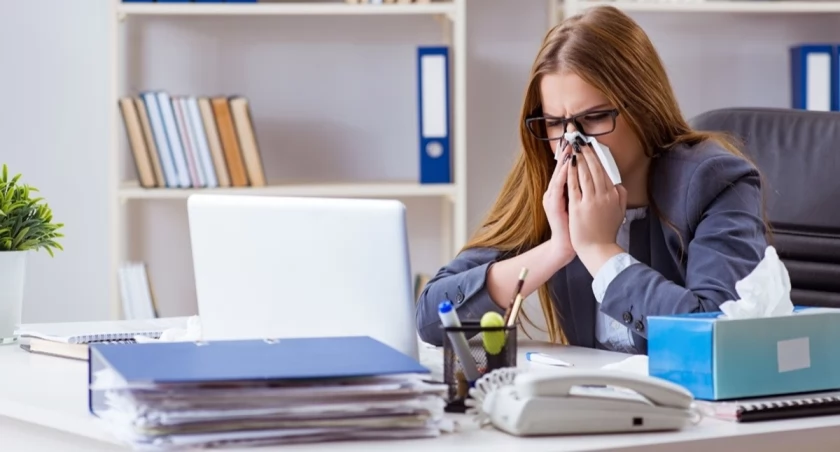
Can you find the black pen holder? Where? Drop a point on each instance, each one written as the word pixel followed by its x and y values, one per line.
pixel 490 347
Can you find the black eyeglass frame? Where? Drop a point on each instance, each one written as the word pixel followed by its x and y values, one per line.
pixel 537 115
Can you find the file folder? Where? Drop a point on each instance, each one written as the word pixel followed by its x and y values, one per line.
pixel 433 106
pixel 814 77
pixel 179 364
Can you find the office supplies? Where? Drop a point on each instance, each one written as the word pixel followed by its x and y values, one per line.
pixel 601 150
pixel 89 332
pixel 766 409
pixel 449 319
pixel 578 401
pixel 519 283
pixel 62 349
pixel 302 267
pixel 248 392
pixel 514 312
pixel 493 341
pixel 542 358
pixel 433 104
pixel 814 77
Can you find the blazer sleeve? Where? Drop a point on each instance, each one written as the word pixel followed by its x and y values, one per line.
pixel 462 282
pixel 724 198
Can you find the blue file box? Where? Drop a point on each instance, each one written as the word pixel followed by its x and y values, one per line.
pixel 719 359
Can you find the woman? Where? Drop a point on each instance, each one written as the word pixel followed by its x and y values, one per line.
pixel 674 236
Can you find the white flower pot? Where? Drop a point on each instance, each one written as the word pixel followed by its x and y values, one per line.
pixel 12 276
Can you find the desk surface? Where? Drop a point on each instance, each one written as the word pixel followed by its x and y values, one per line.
pixel 51 393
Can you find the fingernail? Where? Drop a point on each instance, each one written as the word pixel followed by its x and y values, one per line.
pixel 566 158
pixel 574 160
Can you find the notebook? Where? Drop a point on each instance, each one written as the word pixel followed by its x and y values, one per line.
pixel 766 409
pixel 103 331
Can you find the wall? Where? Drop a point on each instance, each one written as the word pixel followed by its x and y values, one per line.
pixel 55 131
pixel 306 87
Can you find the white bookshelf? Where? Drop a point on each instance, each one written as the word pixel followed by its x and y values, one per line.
pixel 564 8
pixel 450 14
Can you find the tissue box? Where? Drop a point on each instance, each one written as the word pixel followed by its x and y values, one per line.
pixel 719 359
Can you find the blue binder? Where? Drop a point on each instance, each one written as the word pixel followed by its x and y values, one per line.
pixel 815 84
pixel 433 109
pixel 247 360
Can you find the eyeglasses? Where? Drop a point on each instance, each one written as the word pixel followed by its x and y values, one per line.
pixel 591 123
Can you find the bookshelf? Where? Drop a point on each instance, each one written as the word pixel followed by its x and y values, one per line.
pixel 124 192
pixel 561 8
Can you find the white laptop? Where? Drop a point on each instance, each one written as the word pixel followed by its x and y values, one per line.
pixel 279 267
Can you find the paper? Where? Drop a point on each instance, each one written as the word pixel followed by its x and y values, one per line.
pixel 636 364
pixel 192 332
pixel 765 292
pixel 602 151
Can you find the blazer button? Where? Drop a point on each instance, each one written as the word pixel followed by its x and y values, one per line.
pixel 459 298
pixel 627 317
pixel 640 326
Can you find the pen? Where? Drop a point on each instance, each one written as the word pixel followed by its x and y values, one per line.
pixel 449 319
pixel 510 312
pixel 542 358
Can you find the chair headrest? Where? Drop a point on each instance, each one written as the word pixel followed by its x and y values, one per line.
pixel 798 154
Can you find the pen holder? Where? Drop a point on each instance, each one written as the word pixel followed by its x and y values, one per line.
pixel 499 352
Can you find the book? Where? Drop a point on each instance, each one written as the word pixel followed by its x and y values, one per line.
pixel 783 407
pixel 99 331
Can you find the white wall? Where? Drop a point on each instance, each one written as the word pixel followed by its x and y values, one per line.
pixel 54 130
pixel 306 87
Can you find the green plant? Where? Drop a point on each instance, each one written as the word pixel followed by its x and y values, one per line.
pixel 25 223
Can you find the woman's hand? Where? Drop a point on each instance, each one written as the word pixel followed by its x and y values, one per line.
pixel 555 206
pixel 596 210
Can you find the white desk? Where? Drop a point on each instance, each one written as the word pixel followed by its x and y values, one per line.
pixel 43 407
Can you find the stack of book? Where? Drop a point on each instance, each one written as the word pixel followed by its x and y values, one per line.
pixel 259 392
pixel 182 141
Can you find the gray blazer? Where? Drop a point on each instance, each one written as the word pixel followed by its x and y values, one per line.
pixel 710 196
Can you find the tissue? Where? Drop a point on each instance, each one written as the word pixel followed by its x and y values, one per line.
pixel 765 292
pixel 602 151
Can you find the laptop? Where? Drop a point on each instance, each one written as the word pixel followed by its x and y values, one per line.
pixel 283 267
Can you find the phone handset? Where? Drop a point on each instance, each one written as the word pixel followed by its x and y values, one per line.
pixel 559 383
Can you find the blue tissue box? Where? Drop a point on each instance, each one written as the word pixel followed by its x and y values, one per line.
pixel 718 359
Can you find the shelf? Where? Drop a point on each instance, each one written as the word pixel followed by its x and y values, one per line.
pixel 282 9
pixel 132 190
pixel 755 6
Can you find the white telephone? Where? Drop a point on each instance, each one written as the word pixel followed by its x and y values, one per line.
pixel 576 401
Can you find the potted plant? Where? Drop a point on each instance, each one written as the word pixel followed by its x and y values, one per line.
pixel 26 224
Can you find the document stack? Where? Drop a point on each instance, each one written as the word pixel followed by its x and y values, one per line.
pixel 186 395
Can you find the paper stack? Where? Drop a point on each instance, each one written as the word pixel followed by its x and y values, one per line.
pixel 194 403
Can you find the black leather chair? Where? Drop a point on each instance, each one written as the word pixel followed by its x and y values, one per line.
pixel 798 153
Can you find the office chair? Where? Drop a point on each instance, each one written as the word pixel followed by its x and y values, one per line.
pixel 798 153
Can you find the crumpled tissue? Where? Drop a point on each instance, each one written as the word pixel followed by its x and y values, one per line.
pixel 601 150
pixel 191 333
pixel 765 292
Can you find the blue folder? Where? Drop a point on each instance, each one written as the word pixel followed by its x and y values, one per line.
pixel 252 360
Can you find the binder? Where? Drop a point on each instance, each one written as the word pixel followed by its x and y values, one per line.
pixel 191 364
pixel 433 108
pixel 814 77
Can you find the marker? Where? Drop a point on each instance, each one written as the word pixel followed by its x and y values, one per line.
pixel 449 319
pixel 542 358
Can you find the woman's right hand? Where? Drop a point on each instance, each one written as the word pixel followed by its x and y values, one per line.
pixel 556 209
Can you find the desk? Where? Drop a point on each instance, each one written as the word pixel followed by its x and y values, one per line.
pixel 43 407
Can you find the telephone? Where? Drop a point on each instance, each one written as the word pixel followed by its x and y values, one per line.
pixel 576 401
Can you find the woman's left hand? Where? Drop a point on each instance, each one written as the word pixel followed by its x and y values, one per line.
pixel 596 209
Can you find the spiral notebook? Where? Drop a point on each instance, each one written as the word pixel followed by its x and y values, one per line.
pixel 766 409
pixel 104 331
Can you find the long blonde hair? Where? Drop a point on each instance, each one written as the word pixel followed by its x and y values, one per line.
pixel 608 50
